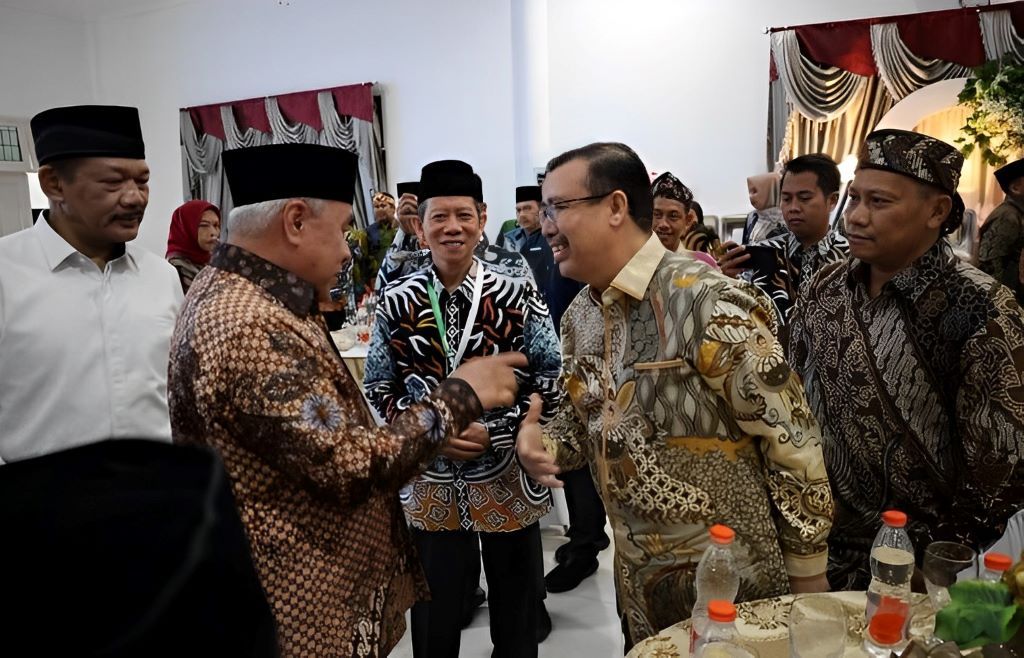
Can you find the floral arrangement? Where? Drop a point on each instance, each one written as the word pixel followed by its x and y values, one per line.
pixel 995 93
pixel 983 613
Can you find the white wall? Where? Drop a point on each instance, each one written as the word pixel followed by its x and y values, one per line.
pixel 445 65
pixel 44 62
pixel 684 82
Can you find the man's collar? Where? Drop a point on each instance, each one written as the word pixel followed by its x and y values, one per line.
pixel 913 280
pixel 634 278
pixel 57 250
pixel 297 294
pixel 822 247
pixel 465 286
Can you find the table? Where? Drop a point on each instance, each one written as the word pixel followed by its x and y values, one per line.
pixel 764 626
pixel 355 360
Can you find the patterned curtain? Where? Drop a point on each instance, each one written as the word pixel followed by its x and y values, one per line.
pixel 342 117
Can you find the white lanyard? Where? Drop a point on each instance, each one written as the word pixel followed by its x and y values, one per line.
pixel 478 288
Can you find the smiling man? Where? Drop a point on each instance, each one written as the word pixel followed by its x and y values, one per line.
pixel 255 376
pixel 85 316
pixel 430 321
pixel 678 398
pixel 913 362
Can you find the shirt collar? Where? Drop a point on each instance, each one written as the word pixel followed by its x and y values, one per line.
pixel 465 286
pixel 57 250
pixel 912 281
pixel 822 247
pixel 634 278
pixel 297 295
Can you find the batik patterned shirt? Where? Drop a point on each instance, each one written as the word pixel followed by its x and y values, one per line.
pixel 793 268
pixel 920 393
pixel 1001 244
pixel 680 400
pixel 254 374
pixel 406 361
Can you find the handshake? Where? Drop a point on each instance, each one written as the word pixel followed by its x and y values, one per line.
pixel 493 379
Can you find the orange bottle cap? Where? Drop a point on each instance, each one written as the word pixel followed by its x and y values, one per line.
pixel 721 534
pixel 998 561
pixel 721 611
pixel 894 518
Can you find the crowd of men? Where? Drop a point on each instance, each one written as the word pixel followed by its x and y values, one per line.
pixel 792 387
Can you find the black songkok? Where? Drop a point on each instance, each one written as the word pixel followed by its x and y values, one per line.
pixel 411 187
pixel 88 131
pixel 528 193
pixel 288 171
pixel 449 178
pixel 1009 173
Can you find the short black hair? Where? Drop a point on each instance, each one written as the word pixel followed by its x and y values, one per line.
pixel 66 168
pixel 822 166
pixel 614 166
pixel 695 207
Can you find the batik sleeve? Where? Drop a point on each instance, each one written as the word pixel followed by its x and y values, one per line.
pixel 380 374
pixel 990 416
pixel 1001 236
pixel 540 344
pixel 741 361
pixel 289 409
pixel 565 434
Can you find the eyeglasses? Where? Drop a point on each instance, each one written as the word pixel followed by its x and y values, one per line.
pixel 551 211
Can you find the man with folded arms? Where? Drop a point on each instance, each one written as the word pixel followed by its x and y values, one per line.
pixel 254 375
pixel 913 362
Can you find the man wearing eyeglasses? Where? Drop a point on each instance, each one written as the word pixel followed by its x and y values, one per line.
pixel 679 398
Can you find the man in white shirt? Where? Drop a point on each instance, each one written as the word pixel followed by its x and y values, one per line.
pixel 85 318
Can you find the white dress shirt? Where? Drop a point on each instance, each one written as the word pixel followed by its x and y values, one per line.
pixel 83 351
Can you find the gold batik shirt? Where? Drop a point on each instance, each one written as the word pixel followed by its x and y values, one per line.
pixel 680 399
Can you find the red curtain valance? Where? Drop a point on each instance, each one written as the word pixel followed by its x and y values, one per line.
pixel 299 107
pixel 951 35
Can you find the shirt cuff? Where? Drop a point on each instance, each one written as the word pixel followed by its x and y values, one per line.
pixel 804 566
pixel 461 400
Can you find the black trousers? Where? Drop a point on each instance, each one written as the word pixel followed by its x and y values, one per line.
pixel 586 514
pixel 511 560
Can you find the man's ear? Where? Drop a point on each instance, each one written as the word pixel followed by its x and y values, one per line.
pixel 51 183
pixel 417 225
pixel 939 210
pixel 294 216
pixel 619 208
pixel 832 201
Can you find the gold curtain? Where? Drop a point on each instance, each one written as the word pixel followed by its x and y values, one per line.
pixel 978 185
pixel 843 135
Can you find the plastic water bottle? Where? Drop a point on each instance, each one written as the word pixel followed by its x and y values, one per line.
pixel 717 579
pixel 888 607
pixel 719 640
pixel 995 565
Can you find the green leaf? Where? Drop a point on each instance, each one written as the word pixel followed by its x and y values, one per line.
pixel 979 613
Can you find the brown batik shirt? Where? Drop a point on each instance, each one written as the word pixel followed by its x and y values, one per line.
pixel 920 396
pixel 254 374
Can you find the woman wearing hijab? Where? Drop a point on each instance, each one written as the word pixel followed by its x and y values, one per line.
pixel 765 220
pixel 195 231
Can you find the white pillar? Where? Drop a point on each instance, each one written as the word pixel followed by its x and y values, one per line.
pixel 531 103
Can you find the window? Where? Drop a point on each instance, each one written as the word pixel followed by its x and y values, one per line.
pixel 10 148
pixel 16 152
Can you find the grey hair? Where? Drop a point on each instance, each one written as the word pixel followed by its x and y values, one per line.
pixel 253 219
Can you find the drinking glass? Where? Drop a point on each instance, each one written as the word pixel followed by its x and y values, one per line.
pixel 944 562
pixel 817 627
